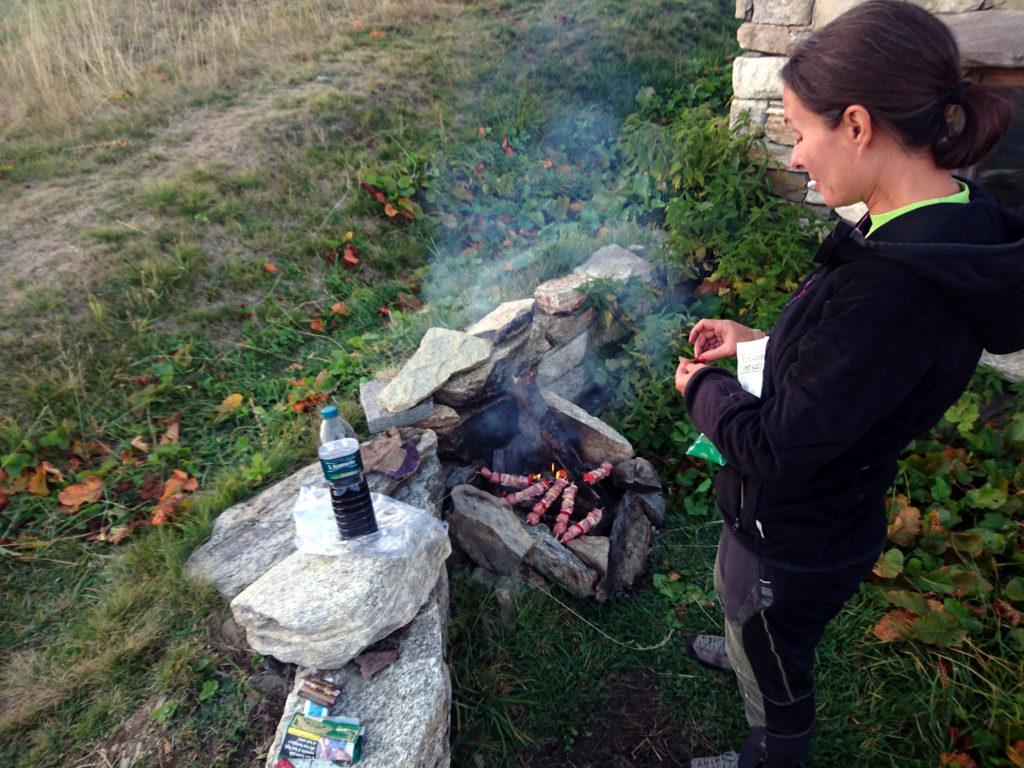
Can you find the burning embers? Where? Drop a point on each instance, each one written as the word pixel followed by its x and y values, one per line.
pixel 549 489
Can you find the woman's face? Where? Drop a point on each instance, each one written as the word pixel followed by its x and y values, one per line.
pixel 825 153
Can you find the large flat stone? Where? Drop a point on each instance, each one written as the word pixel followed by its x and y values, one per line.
pixel 559 564
pixel 592 550
pixel 251 537
pixel 637 474
pixel 560 294
pixel 559 329
pixel 487 529
pixel 629 545
pixel 770 38
pixel 379 419
pixel 757 77
pixel 506 320
pixel 598 441
pixel 321 611
pixel 990 39
pixel 788 12
pixel 511 356
pixel 442 353
pixel 560 360
pixel 613 262
pixel 405 707
pixel 573 384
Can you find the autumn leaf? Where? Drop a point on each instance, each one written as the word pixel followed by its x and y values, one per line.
pixel 175 488
pixel 350 256
pixel 119 534
pixel 546 164
pixel 230 404
pixel 1016 753
pixel 139 444
pixel 956 760
pixel 340 308
pixel 893 626
pixel 377 34
pixel 5 499
pixel 74 496
pixel 373 192
pixel 390 211
pixel 505 146
pixel 386 311
pixel 316 325
pixel 481 131
pixel 151 488
pixel 358 24
pixel 271 267
pixel 309 403
pixel 37 482
pixel 906 522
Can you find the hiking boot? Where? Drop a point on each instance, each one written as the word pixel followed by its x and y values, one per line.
pixel 728 760
pixel 709 651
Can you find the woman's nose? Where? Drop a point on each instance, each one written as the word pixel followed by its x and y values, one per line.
pixel 795 160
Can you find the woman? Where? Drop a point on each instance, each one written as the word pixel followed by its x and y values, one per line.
pixel 871 350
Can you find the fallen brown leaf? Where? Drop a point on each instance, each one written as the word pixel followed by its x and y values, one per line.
pixel 74 496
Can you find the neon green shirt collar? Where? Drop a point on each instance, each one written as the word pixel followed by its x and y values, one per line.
pixel 963 196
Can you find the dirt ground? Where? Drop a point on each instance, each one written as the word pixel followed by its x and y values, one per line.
pixel 632 731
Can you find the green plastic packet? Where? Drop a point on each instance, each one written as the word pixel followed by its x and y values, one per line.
pixel 703 448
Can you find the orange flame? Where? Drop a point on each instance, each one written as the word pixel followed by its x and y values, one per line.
pixel 562 475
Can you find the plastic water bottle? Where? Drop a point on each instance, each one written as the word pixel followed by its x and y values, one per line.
pixel 343 467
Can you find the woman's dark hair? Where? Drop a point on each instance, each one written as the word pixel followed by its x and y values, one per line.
pixel 903 65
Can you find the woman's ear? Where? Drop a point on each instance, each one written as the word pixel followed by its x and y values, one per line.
pixel 856 124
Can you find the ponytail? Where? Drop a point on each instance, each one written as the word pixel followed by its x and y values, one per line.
pixel 972 126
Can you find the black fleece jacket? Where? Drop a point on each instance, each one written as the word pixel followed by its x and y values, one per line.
pixel 869 352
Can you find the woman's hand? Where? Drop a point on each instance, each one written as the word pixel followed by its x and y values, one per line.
pixel 684 372
pixel 717 339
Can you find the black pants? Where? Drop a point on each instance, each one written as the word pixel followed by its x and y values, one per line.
pixel 774 619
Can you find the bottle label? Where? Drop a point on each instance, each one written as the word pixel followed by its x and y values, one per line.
pixel 342 468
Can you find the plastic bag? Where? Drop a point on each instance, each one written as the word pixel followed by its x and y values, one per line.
pixel 402 529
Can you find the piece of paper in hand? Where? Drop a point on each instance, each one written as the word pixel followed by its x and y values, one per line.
pixel 750 364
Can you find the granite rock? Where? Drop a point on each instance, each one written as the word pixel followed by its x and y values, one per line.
pixel 405 707
pixel 558 564
pixel 560 294
pixel 593 551
pixel 559 329
pixel 321 611
pixel 636 473
pixel 509 357
pixel 508 319
pixel 757 77
pixel 251 537
pixel 559 361
pixel 598 441
pixel 487 530
pixel 614 262
pixel 379 419
pixel 629 545
pixel 442 354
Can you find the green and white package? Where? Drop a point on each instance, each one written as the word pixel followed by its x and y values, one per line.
pixel 703 448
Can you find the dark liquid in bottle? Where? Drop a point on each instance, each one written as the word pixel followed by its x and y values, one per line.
pixel 353 509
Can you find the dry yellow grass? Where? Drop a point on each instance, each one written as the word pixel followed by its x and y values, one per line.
pixel 65 62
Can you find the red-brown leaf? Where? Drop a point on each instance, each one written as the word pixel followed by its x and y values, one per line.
pixel 316 325
pixel 506 147
pixel 893 626
pixel 37 482
pixel 956 760
pixel 1015 753
pixel 350 256
pixel 340 308
pixel 74 496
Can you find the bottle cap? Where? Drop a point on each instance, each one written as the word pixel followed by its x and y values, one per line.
pixel 329 411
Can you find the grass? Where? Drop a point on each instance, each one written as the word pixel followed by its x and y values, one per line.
pixel 206 260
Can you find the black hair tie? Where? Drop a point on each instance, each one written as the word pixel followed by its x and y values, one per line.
pixel 954 97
